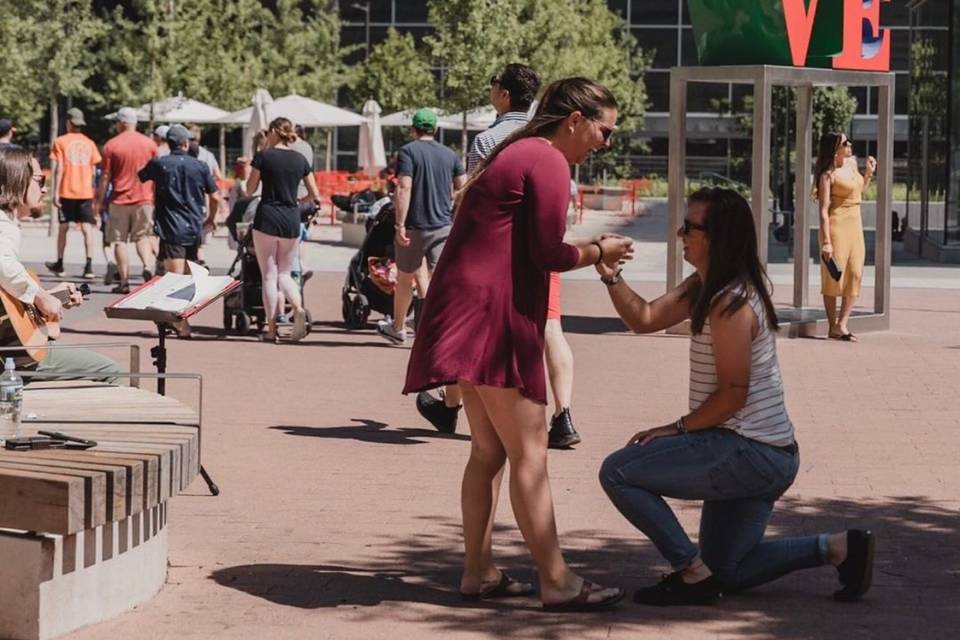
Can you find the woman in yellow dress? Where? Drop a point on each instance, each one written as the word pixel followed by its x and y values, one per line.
pixel 839 188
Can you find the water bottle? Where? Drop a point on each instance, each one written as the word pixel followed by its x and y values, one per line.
pixel 11 399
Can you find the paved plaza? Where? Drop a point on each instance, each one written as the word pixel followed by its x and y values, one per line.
pixel 339 512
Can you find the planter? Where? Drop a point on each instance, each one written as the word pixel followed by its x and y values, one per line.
pixel 746 32
pixel 604 198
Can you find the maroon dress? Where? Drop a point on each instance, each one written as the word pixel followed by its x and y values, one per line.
pixel 486 308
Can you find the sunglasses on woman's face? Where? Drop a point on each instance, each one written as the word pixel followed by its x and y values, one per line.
pixel 40 180
pixel 689 225
pixel 846 143
pixel 494 80
pixel 605 131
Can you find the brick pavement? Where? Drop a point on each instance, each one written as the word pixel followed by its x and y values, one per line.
pixel 339 512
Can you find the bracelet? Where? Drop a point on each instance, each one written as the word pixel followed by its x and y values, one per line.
pixel 612 280
pixel 599 246
pixel 680 425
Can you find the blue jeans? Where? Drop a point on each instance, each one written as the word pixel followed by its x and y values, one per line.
pixel 738 480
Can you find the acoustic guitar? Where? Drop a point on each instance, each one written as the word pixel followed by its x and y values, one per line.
pixel 29 325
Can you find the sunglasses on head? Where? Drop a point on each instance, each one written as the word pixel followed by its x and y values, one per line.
pixel 40 180
pixel 689 225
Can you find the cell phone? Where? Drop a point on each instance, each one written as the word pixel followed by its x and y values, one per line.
pixel 832 267
pixel 32 442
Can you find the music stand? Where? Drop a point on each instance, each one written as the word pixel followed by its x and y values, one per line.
pixel 165 321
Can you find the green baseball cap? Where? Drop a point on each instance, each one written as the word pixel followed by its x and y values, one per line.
pixel 424 120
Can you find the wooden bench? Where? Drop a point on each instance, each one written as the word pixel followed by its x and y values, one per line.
pixel 83 533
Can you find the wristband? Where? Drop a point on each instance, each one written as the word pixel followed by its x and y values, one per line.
pixel 612 280
pixel 680 425
pixel 600 247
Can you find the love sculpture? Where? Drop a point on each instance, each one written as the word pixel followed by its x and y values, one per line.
pixel 838 34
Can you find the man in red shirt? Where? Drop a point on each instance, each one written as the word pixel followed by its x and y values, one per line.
pixel 131 202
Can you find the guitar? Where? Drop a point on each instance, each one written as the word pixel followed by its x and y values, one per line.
pixel 29 325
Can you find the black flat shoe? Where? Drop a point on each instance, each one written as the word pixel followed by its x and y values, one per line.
pixel 437 413
pixel 856 572
pixel 562 434
pixel 673 591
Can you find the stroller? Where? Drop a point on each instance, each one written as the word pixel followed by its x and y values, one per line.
pixel 361 293
pixel 243 307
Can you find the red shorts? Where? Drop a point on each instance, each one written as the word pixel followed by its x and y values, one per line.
pixel 553 299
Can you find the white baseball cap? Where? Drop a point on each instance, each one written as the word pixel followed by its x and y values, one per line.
pixel 128 115
pixel 161 131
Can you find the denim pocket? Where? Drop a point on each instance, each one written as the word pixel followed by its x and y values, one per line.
pixel 745 473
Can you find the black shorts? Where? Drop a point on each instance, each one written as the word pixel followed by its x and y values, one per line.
pixel 76 211
pixel 178 251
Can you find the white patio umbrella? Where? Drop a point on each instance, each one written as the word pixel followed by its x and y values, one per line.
pixel 258 119
pixel 371 156
pixel 301 110
pixel 476 119
pixel 405 118
pixel 178 108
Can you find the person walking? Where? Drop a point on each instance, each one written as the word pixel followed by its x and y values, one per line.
pixel 736 449
pixel 183 185
pixel 276 226
pixel 7 130
pixel 131 201
pixel 482 327
pixel 839 191
pixel 512 92
pixel 429 173
pixel 160 139
pixel 75 158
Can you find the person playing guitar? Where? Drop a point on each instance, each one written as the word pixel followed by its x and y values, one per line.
pixel 22 189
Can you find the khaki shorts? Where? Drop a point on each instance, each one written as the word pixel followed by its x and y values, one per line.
pixel 423 244
pixel 129 222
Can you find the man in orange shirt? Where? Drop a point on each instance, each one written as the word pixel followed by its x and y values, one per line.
pixel 131 202
pixel 75 157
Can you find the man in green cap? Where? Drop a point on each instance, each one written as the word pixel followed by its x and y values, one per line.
pixel 428 175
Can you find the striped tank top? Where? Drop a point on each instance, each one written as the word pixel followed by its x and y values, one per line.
pixel 764 416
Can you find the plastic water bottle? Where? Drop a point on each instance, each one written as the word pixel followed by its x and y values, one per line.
pixel 11 399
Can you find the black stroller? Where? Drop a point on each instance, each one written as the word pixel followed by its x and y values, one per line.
pixel 243 307
pixel 360 294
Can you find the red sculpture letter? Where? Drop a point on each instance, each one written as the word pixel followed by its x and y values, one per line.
pixel 866 47
pixel 799 20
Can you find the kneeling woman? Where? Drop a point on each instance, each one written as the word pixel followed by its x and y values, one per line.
pixel 735 450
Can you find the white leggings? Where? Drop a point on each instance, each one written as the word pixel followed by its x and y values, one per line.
pixel 276 256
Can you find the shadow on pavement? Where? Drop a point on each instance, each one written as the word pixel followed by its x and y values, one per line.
pixel 915 589
pixel 371 431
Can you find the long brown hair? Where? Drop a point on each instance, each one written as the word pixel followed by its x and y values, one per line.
pixel 16 172
pixel 734 259
pixel 829 145
pixel 560 99
pixel 284 130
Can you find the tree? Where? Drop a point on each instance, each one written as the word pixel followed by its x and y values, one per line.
pixel 396 75
pixel 20 101
pixel 564 38
pixel 833 110
pixel 301 50
pixel 473 40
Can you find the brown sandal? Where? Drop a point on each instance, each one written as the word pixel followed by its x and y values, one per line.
pixel 581 602
pixel 506 587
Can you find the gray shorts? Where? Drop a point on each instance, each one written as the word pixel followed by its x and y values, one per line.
pixel 424 243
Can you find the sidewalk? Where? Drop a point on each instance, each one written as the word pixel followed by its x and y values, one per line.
pixel 339 516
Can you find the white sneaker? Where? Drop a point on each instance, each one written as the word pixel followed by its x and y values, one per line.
pixel 386 330
pixel 299 325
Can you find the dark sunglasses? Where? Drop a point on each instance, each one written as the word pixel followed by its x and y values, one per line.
pixel 689 225
pixel 40 180
pixel 605 131
pixel 847 143
pixel 494 80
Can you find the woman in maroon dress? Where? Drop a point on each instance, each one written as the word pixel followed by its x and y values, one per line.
pixel 482 326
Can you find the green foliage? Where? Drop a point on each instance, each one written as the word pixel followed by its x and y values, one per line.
pixel 46 56
pixel 833 110
pixel 396 75
pixel 473 40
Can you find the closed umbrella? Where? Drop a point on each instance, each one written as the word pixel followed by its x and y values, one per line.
pixel 371 155
pixel 259 118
